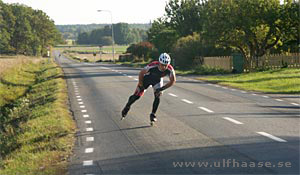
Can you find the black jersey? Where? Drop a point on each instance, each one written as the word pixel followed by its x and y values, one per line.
pixel 154 75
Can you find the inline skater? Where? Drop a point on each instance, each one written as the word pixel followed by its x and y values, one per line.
pixel 153 75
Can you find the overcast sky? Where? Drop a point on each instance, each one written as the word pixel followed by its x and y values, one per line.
pixel 85 11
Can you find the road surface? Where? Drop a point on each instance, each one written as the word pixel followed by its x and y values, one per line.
pixel 202 128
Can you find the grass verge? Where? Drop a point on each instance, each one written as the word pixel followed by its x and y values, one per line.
pixel 35 124
pixel 283 81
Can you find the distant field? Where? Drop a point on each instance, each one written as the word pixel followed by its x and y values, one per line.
pixel 107 49
pixel 91 58
pixel 86 52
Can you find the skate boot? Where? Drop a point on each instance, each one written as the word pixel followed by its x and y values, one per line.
pixel 124 112
pixel 153 119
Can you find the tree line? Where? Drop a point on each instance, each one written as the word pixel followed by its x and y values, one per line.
pixel 122 32
pixel 24 30
pixel 73 30
pixel 191 29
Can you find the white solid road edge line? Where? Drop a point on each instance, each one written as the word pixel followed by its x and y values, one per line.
pixel 271 136
pixel 205 109
pixel 187 101
pixel 233 121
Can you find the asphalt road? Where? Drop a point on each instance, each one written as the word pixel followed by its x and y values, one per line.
pixel 202 128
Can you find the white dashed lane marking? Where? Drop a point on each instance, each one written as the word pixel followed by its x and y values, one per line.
pixel 187 101
pixel 233 121
pixel 296 104
pixel 89 150
pixel 82 106
pixel 265 96
pixel 205 109
pixel 173 95
pixel 89 129
pixel 87 162
pixel 88 122
pixel 83 111
pixel 90 139
pixel 86 116
pixel 271 136
pixel 278 100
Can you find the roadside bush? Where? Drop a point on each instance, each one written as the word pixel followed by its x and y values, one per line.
pixel 141 50
pixel 186 50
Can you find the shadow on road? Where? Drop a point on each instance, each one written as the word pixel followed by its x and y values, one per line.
pixel 204 160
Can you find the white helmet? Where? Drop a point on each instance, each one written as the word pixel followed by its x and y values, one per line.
pixel 164 58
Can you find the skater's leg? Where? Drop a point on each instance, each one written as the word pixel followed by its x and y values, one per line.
pixel 132 99
pixel 156 103
pixel 137 94
pixel 156 96
pixel 154 108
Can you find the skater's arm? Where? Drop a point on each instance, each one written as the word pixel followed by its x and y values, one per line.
pixel 172 81
pixel 141 76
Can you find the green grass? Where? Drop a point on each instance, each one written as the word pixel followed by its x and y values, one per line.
pixel 36 128
pixel 286 81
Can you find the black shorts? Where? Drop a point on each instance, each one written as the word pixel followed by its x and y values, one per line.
pixel 146 83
